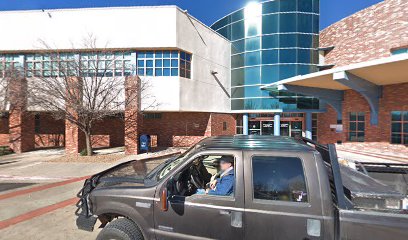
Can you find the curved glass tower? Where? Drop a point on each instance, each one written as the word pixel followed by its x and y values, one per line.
pixel 271 41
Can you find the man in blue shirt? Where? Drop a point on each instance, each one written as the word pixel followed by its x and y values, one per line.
pixel 224 185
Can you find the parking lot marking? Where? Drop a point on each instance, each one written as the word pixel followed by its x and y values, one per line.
pixel 40 188
pixel 36 213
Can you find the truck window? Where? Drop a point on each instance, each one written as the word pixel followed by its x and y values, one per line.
pixel 278 179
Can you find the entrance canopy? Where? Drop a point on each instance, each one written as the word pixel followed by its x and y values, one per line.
pixel 367 78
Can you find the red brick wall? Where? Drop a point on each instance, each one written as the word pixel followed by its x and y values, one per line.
pixel 50 132
pixel 186 128
pixel 368 34
pixel 109 132
pixel 394 99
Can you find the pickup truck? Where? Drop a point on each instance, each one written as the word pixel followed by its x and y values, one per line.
pixel 284 189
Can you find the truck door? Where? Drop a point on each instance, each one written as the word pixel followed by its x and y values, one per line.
pixel 281 201
pixel 204 216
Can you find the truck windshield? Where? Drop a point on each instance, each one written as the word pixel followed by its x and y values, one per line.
pixel 168 166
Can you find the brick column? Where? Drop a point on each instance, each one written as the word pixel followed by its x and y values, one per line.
pixel 132 115
pixel 74 139
pixel 21 122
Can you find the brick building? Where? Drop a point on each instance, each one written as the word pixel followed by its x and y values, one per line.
pixel 364 77
pixel 252 72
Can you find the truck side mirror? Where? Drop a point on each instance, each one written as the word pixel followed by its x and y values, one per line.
pixel 164 201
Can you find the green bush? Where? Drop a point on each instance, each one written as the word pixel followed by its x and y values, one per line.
pixel 4 150
pixel 84 152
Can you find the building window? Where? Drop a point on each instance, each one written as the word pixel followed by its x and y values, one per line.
pixel 37 123
pixel 356 126
pixel 106 64
pixel 279 179
pixel 314 126
pixel 152 116
pixel 158 63
pixel 224 126
pixel 9 62
pixel 185 65
pixel 399 127
pixel 399 51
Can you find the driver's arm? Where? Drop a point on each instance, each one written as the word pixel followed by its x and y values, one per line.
pixel 225 186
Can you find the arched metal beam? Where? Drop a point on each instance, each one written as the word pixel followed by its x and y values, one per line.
pixel 371 92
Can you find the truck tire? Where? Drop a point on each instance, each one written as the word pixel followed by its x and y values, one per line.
pixel 120 229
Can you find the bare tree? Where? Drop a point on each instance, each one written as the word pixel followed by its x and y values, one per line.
pixel 85 85
pixel 12 89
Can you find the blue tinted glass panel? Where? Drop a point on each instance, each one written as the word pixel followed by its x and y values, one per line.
pixel 270 24
pixel 238 77
pixel 305 23
pixel 166 54
pixel 316 24
pixel 305 41
pixel 166 63
pixel 270 74
pixel 246 92
pixel 140 71
pixel 166 72
pixel 237 30
pixel 252 58
pixel 253 44
pixel 159 54
pixel 140 63
pixel 304 56
pixel 183 55
pixel 238 46
pixel 159 63
pixel 149 71
pixel 174 54
pixel 252 75
pixel 316 6
pixel 188 57
pixel 288 5
pixel 270 56
pixel 174 63
pixel 174 72
pixel 287 22
pixel 270 41
pixel 158 72
pixel 287 71
pixel 141 54
pixel 225 31
pixel 237 61
pixel 287 56
pixel 305 5
pixel 288 40
pixel 304 69
pixel 270 7
pixel 239 15
pixel 149 63
pixel 149 54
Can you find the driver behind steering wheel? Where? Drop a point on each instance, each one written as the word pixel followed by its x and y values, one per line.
pixel 224 185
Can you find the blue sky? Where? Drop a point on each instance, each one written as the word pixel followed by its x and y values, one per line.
pixel 206 10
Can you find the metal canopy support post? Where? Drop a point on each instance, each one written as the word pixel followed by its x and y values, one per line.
pixel 309 125
pixel 276 124
pixel 332 97
pixel 370 91
pixel 245 124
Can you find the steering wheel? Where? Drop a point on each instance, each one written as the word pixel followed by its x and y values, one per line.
pixel 195 178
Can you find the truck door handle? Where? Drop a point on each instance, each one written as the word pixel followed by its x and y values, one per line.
pixel 225 212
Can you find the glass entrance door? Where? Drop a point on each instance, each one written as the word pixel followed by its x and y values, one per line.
pixel 285 129
pixel 267 127
pixel 296 129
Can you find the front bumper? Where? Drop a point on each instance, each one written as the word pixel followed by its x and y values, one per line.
pixel 85 219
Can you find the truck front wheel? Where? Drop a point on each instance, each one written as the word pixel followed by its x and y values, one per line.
pixel 120 229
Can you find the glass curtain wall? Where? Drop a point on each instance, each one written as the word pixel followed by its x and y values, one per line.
pixel 271 41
